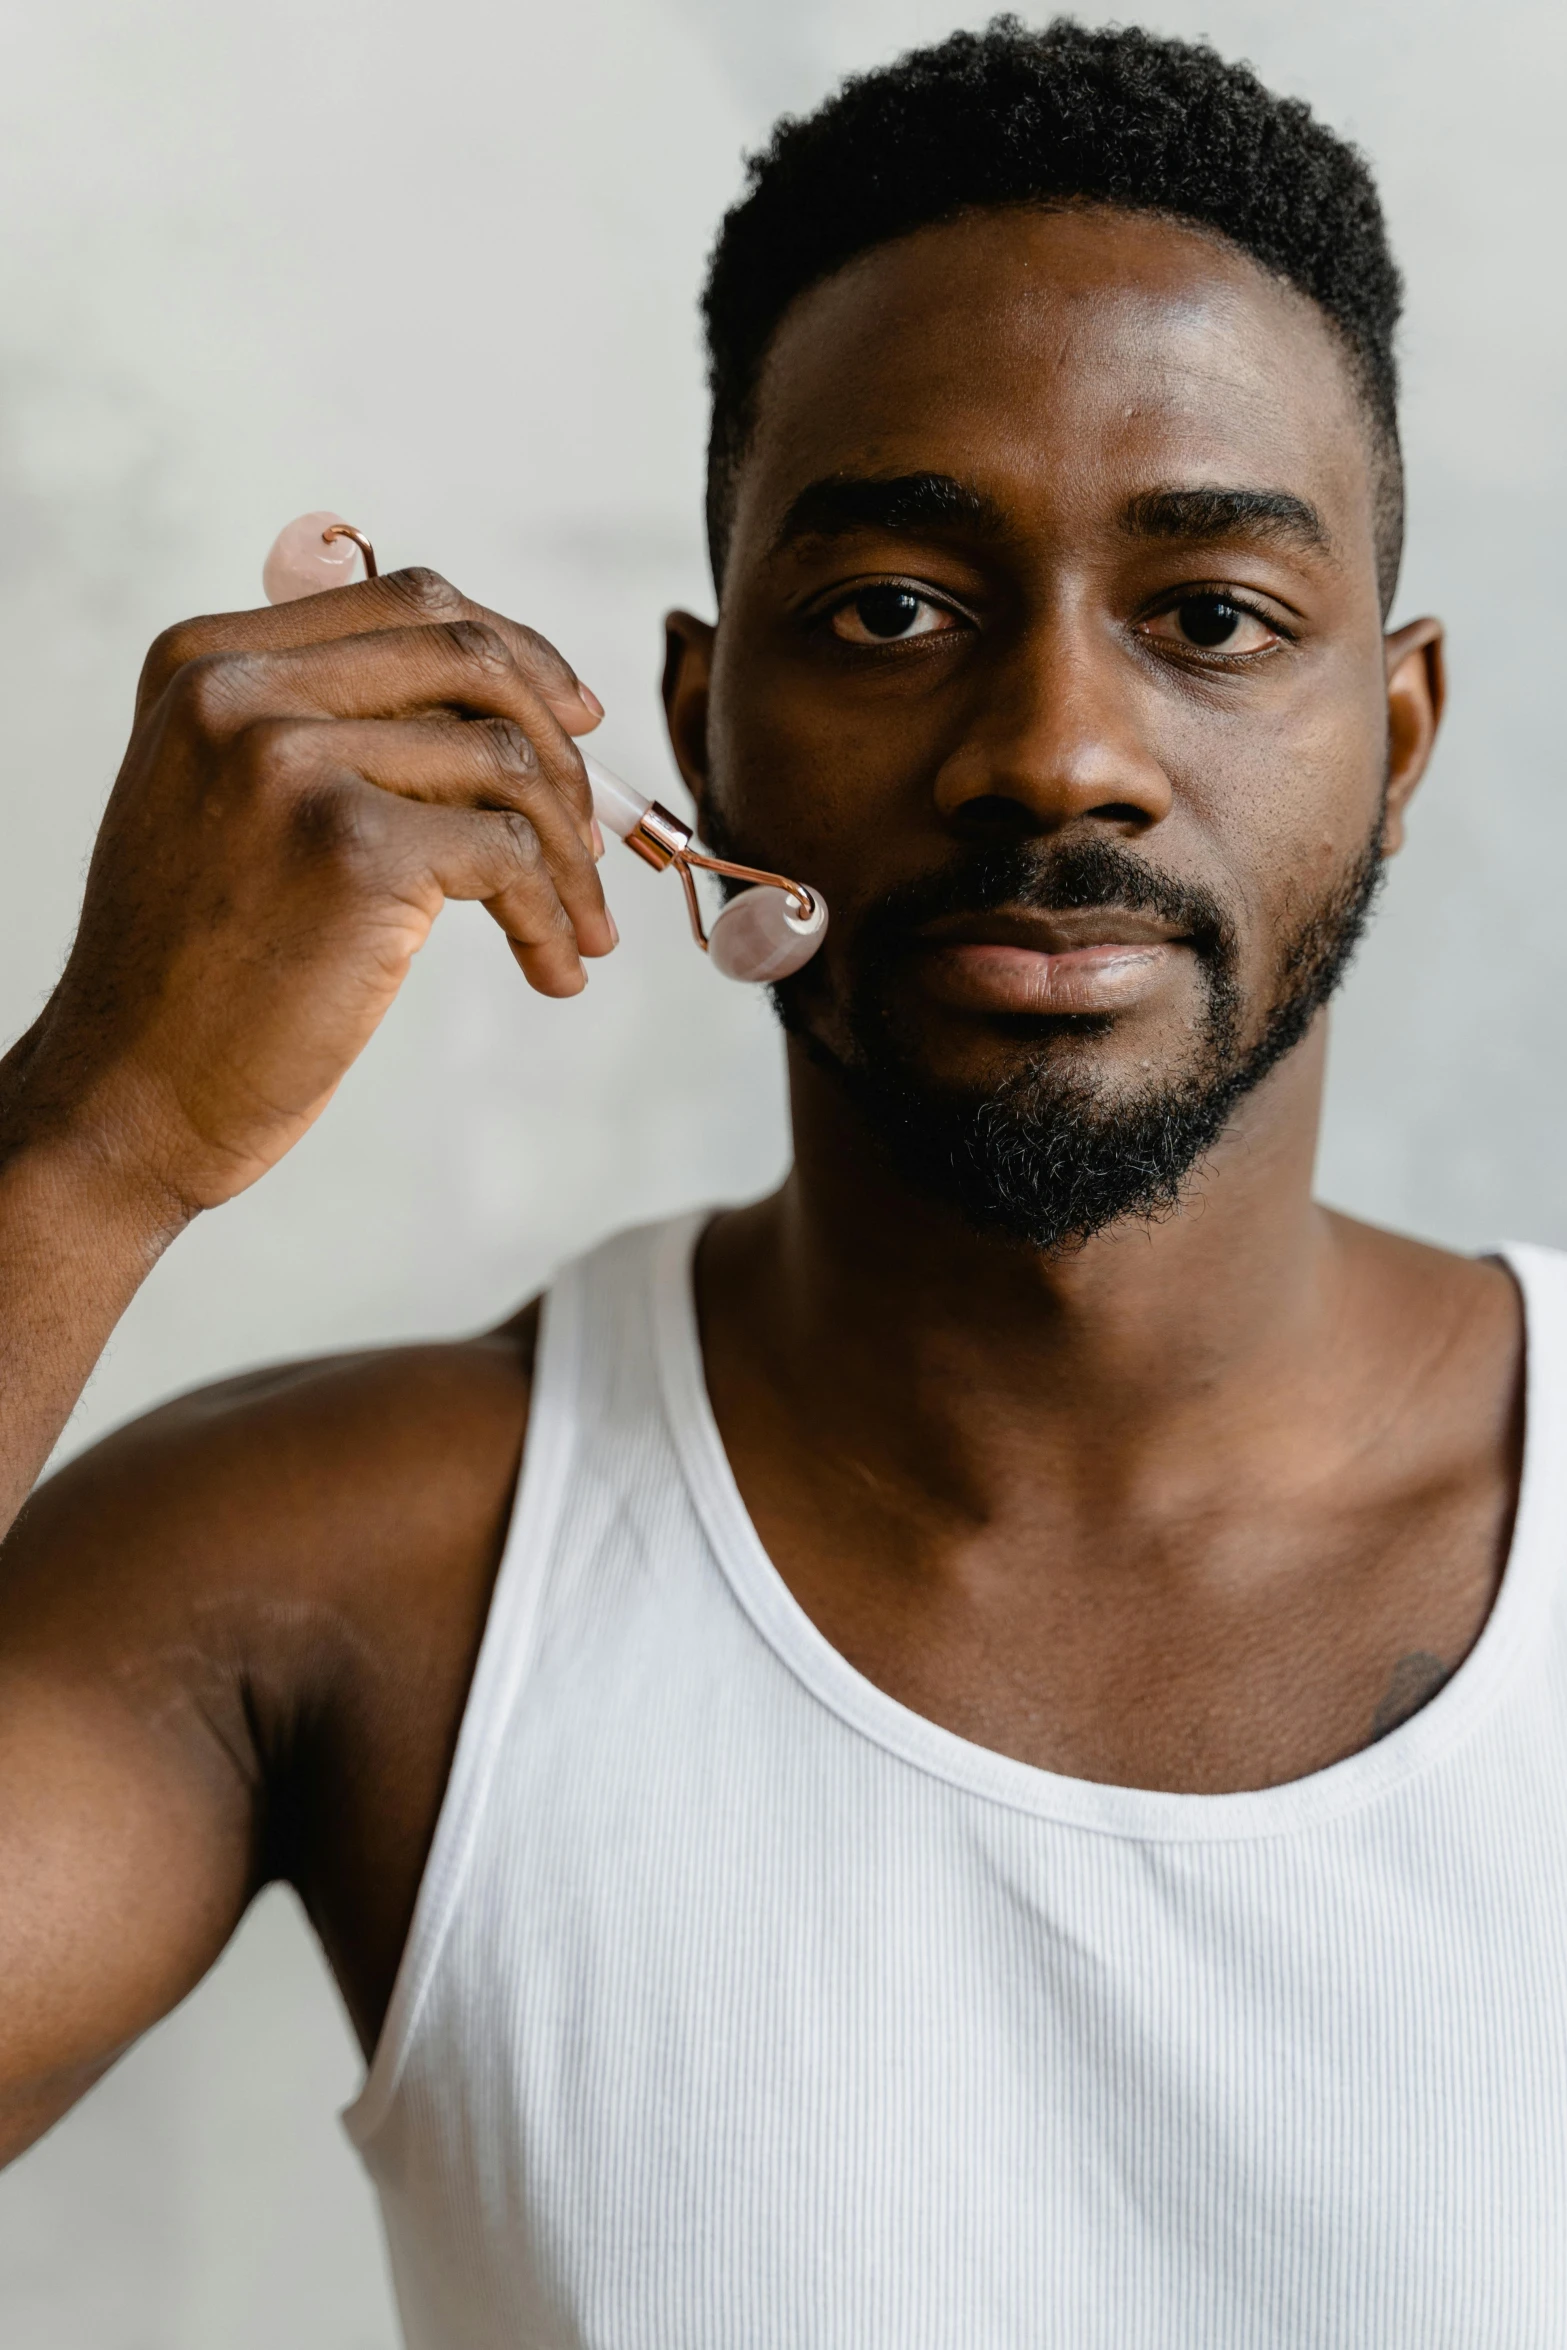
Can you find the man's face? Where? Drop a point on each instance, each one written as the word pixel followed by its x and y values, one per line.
pixel 1050 652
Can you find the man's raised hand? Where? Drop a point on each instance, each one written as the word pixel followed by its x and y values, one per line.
pixel 303 788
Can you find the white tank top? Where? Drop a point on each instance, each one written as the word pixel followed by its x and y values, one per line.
pixel 744 2009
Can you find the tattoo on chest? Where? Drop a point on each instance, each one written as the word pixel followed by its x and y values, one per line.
pixel 1415 1681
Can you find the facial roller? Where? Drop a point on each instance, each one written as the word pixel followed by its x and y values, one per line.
pixel 765 931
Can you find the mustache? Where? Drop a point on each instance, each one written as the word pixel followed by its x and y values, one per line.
pixel 1048 878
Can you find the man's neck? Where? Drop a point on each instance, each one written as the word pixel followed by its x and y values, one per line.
pixel 896 1317
pixel 1172 1508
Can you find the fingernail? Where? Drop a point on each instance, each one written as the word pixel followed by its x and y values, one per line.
pixel 598 839
pixel 614 926
pixel 586 694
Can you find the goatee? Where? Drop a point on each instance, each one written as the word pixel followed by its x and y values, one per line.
pixel 1050 1158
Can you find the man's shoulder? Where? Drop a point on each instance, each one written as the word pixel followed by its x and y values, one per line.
pixel 298 1442
pixel 1422 1288
pixel 267 1596
pixel 282 1529
pixel 1425 1273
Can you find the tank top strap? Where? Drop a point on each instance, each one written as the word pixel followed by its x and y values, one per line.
pixel 600 1366
pixel 597 1427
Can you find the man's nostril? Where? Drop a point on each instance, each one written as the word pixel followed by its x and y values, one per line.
pixel 996 812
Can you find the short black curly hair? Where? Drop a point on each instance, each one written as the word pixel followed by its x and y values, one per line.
pixel 1013 116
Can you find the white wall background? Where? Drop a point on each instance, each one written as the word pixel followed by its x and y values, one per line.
pixel 436 267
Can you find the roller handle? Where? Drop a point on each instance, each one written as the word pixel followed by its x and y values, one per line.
pixel 617 806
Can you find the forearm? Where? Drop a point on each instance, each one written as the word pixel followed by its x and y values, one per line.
pixel 78 1236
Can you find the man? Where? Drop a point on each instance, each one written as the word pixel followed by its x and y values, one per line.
pixel 1006 1783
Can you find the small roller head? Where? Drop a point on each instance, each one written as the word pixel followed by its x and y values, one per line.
pixel 303 563
pixel 760 937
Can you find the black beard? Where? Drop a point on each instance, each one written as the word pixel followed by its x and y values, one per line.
pixel 1048 1159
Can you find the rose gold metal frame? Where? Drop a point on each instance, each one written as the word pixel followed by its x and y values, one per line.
pixel 660 839
pixel 346 530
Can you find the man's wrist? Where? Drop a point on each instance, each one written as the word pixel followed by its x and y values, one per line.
pixel 69 1192
pixel 78 1139
pixel 81 1227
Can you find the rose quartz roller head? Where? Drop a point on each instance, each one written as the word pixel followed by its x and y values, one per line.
pixel 315 552
pixel 767 930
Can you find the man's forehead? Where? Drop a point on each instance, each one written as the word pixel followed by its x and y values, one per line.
pixel 1106 351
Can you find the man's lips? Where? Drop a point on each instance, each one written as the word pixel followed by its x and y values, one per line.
pixel 1090 959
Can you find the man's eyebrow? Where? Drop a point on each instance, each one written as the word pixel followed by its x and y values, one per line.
pixel 841 503
pixel 1218 513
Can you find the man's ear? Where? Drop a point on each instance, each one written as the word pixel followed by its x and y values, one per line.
pixel 688 671
pixel 1416 691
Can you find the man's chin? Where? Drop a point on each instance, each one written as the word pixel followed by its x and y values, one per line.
pixel 1045 1152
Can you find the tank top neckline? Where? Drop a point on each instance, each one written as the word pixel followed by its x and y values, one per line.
pixel 1153 1815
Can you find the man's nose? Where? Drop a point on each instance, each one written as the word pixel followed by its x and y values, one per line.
pixel 1057 738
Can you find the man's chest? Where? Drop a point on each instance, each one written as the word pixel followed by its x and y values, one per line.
pixel 1226 1647
pixel 739 2028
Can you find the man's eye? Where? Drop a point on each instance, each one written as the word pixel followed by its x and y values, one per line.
pixel 1214 625
pixel 887 615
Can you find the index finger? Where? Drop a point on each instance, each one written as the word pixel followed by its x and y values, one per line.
pixel 398 599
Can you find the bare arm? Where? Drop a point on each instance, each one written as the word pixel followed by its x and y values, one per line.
pixel 235 1645
pixel 76 1241
pixel 128 1833
pixel 302 791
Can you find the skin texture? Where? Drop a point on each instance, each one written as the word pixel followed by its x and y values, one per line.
pixel 1203 1505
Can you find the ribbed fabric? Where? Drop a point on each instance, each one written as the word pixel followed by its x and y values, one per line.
pixel 745 2009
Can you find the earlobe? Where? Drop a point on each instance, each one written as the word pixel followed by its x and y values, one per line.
pixel 688 670
pixel 1416 691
